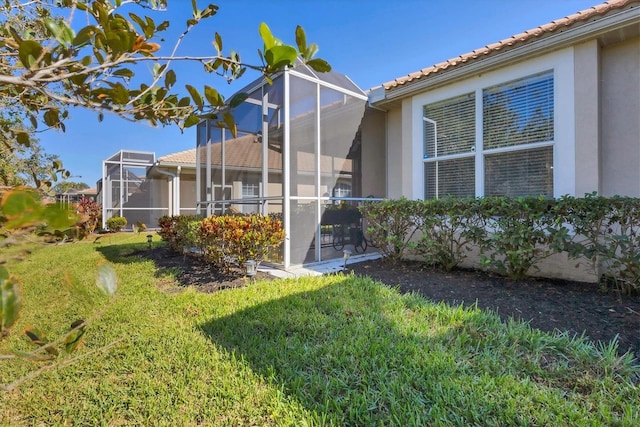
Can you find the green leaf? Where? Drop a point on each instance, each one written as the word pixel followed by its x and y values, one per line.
pixel 238 99
pixel 319 65
pixel 217 43
pixel 230 122
pixel 58 217
pixel 23 138
pixel 195 95
pixel 280 56
pixel 10 301
pixel 28 52
pixel 170 79
pixel 301 40
pixel 73 340
pixel 268 38
pixel 107 279
pixel 60 31
pixel 84 36
pixel 51 117
pixel 192 120
pixel 22 207
pixel 213 96
pixel 31 356
pixel 123 72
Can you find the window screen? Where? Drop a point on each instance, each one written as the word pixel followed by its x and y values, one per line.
pixel 453 177
pixel 520 173
pixel 449 126
pixel 519 112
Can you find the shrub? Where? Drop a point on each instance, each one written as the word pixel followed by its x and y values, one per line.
pixel 448 226
pixel 234 239
pixel 116 223
pixel 178 231
pixel 392 225
pixel 90 213
pixel 520 233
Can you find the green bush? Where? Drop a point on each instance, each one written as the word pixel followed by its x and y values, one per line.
pixel 230 240
pixel 116 223
pixel 448 227
pixel 179 231
pixel 392 225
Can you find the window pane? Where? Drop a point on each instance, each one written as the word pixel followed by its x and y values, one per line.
pixel 520 173
pixel 519 112
pixel 453 177
pixel 449 126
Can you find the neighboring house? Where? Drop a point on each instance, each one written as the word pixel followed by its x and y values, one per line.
pixel 74 195
pixel 554 110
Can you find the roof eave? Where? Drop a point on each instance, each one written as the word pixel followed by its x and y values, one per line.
pixel 561 39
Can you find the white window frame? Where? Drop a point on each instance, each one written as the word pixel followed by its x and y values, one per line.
pixel 561 63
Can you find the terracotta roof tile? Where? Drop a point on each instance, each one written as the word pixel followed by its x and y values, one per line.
pixel 514 41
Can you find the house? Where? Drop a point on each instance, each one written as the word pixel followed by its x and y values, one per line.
pixel 554 110
pixel 551 111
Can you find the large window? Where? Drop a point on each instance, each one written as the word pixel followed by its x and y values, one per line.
pixel 515 157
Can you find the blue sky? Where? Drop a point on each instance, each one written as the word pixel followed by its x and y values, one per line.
pixel 371 41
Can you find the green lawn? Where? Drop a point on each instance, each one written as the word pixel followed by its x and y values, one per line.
pixel 337 350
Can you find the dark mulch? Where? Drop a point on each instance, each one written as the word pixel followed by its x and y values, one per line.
pixel 547 304
pixel 193 271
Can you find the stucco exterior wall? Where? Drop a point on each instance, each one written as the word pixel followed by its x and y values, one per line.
pixel 374 167
pixel 620 118
pixel 587 123
pixel 394 152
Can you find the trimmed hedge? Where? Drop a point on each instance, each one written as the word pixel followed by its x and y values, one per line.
pixel 513 234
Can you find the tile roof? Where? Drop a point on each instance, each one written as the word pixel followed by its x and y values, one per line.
pixel 514 41
pixel 246 153
pixel 181 157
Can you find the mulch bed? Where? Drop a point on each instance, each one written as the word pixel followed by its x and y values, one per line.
pixel 579 308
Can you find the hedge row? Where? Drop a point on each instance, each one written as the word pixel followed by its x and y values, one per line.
pixel 227 241
pixel 513 234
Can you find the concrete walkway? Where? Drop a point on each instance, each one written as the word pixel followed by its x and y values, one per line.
pixel 320 268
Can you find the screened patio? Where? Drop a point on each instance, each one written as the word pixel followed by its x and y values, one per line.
pixel 298 154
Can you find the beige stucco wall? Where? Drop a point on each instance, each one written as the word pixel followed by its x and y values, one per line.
pixel 587 123
pixel 394 152
pixel 374 165
pixel 620 118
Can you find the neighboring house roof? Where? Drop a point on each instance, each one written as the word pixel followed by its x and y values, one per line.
pixel 511 44
pixel 245 152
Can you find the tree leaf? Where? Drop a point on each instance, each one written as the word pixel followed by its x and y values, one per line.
pixel 107 279
pixel 217 43
pixel 238 99
pixel 280 56
pixel 28 52
pixel 10 302
pixel 195 95
pixel 267 37
pixel 213 96
pixel 319 65
pixel 301 40
pixel 230 122
pixel 73 340
pixel 170 79
pixel 191 121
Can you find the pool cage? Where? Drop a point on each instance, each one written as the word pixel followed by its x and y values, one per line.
pixel 296 154
pixel 128 191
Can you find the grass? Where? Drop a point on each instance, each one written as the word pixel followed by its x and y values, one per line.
pixel 335 350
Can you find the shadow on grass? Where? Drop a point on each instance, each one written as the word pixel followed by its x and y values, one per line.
pixel 357 353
